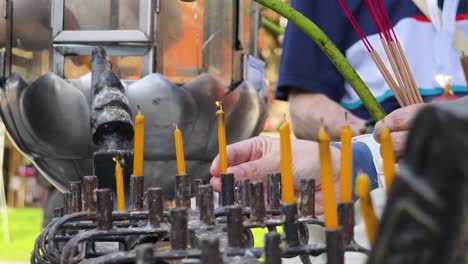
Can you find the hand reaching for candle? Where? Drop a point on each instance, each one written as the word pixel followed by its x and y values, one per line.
pixel 256 157
pixel 398 122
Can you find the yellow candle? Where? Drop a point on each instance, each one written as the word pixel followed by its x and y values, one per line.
pixel 138 144
pixel 346 165
pixel 287 180
pixel 221 139
pixel 179 147
pixel 119 186
pixel 388 156
pixel 326 174
pixel 368 214
pixel 448 88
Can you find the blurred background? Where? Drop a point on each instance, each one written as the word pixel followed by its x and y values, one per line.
pixel 23 191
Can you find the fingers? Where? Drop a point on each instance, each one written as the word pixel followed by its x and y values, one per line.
pixel 240 152
pixel 398 120
pixel 254 170
pixel 399 143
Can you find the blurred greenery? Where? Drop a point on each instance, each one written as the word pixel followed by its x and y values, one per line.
pixel 24 226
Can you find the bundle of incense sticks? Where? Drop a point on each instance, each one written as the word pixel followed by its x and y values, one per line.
pixel 404 88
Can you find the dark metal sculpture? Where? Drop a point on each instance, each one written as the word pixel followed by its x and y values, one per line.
pixel 60 124
pixel 426 216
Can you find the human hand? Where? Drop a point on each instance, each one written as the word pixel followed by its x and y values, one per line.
pixel 398 122
pixel 256 157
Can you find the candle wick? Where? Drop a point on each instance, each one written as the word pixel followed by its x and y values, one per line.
pixel 219 104
pixel 346 117
pixel 175 125
pixel 138 108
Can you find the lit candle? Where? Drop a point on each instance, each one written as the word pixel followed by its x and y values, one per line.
pixel 138 144
pixel 221 139
pixel 346 165
pixel 388 156
pixel 179 147
pixel 326 174
pixel 368 214
pixel 287 180
pixel 119 186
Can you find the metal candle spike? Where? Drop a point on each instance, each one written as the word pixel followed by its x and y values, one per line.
pixel 243 193
pixel 194 191
pixel 227 189
pixel 235 228
pixel 274 190
pixel 66 202
pixel 210 251
pixel 307 189
pixel 335 246
pixel 104 209
pixel 90 184
pixel 75 200
pixel 272 248
pixel 144 254
pixel 206 206
pixel 182 191
pixel 346 220
pixel 290 224
pixel 155 207
pixel 137 184
pixel 257 208
pixel 179 232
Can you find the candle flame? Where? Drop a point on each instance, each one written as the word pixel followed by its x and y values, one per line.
pixel 115 159
pixel 219 104
pixel 443 80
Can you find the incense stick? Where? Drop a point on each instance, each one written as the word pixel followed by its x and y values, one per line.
pixel 464 62
pixel 373 53
pixel 410 73
pixel 393 64
pixel 388 78
pixel 402 62
pixel 404 74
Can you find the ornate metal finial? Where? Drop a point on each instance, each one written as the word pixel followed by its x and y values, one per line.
pixel 111 120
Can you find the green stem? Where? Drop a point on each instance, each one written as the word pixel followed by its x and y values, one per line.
pixel 327 46
pixel 270 25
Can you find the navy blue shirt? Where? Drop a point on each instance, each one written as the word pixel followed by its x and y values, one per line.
pixel 304 65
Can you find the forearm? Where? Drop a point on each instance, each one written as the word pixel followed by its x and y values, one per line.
pixel 307 110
